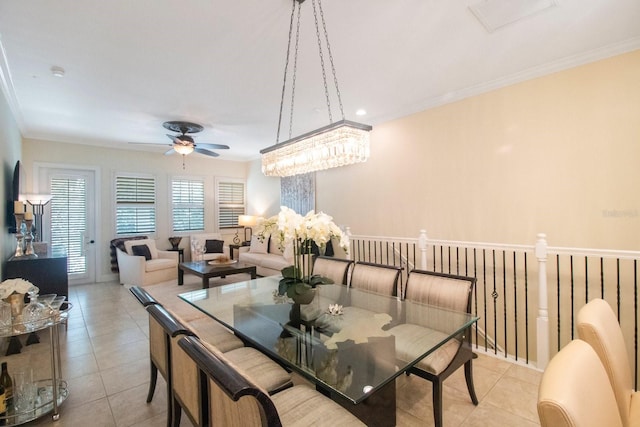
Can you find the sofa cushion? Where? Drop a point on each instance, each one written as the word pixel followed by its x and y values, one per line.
pixel 214 246
pixel 159 264
pixel 274 262
pixel 251 258
pixel 257 246
pixel 274 247
pixel 141 250
pixel 150 243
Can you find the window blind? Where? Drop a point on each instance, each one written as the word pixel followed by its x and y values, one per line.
pixel 231 203
pixel 69 221
pixel 187 198
pixel 135 205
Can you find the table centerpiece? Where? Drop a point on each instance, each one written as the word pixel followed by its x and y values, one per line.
pixel 295 235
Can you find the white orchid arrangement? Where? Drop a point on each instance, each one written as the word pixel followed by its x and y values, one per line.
pixel 290 229
pixel 18 286
pixel 289 226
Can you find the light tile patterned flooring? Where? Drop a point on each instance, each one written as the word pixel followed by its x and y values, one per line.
pixel 106 363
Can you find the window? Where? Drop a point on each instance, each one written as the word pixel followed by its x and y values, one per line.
pixel 69 221
pixel 187 199
pixel 135 205
pixel 230 202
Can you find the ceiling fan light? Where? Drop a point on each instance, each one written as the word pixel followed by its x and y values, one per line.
pixel 183 149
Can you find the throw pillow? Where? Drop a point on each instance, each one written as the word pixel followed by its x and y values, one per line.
pixel 141 250
pixel 258 247
pixel 214 246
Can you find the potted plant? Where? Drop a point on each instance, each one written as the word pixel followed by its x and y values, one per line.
pixel 296 234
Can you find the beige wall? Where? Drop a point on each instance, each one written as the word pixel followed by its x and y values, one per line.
pixel 108 162
pixel 558 154
pixel 10 154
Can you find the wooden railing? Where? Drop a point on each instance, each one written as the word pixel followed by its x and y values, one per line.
pixel 526 296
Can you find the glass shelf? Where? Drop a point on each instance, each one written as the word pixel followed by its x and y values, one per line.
pixel 20 328
pixel 41 408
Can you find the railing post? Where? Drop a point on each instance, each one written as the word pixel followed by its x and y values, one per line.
pixel 350 254
pixel 542 321
pixel 422 245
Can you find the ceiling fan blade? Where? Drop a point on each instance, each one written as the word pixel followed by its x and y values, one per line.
pixel 206 152
pixel 213 146
pixel 150 143
pixel 170 152
pixel 181 139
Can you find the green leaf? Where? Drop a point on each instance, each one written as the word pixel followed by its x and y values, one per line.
pixel 319 280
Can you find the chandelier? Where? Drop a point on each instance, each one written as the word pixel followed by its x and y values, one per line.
pixel 340 143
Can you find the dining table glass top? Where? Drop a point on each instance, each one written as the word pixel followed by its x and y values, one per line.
pixel 347 340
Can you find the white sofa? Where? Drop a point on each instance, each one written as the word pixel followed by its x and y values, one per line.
pixel 137 270
pixel 199 241
pixel 266 256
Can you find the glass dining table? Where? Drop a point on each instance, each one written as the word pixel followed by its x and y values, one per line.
pixel 343 341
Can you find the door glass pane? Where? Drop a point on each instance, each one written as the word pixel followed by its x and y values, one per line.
pixel 69 221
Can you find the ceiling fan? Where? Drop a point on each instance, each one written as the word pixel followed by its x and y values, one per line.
pixel 183 143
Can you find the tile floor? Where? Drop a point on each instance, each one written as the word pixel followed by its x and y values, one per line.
pixel 106 363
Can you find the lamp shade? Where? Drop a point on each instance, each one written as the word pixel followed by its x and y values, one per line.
pixel 36 199
pixel 246 220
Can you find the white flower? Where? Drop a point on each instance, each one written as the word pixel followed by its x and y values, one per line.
pixel 289 226
pixel 19 286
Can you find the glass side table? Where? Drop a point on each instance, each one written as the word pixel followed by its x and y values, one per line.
pixel 50 392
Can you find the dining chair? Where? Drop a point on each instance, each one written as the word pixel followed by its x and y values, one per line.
pixel 336 269
pixel 265 372
pixel 233 399
pixel 378 278
pixel 598 325
pixel 423 328
pixel 142 296
pixel 162 328
pixel 575 391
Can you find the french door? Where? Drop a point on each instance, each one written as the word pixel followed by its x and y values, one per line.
pixel 70 220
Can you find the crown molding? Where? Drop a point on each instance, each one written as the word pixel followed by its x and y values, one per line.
pixel 528 74
pixel 6 84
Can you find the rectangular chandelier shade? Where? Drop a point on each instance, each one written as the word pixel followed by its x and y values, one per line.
pixel 339 144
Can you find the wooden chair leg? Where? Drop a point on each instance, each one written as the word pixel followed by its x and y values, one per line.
pixel 152 382
pixel 437 403
pixel 170 405
pixel 468 376
pixel 177 413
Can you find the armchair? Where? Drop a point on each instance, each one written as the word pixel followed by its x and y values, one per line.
pixel 143 264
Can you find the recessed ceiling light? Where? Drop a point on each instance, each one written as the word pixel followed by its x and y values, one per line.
pixel 57 71
pixel 361 112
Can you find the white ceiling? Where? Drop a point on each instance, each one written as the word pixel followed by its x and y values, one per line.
pixel 131 65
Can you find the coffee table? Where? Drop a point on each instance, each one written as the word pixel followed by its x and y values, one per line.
pixel 206 271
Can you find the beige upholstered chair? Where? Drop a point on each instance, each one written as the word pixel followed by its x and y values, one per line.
pixel 234 400
pixel 379 278
pixel 265 372
pixel 598 326
pixel 336 269
pixel 143 264
pixel 142 296
pixel 575 390
pixel 445 291
pixel 162 328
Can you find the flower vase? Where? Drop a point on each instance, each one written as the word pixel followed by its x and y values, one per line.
pixel 305 297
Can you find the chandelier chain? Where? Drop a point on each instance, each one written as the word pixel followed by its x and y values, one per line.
pixel 333 68
pixel 324 74
pixel 295 72
pixel 286 67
